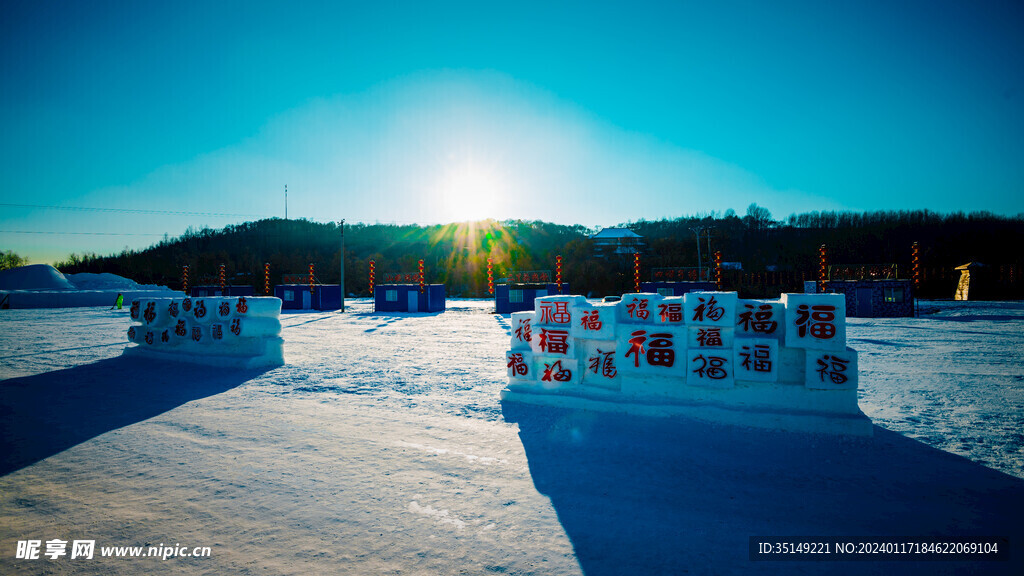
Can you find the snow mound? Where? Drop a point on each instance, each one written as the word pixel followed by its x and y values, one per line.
pixel 104 281
pixel 34 277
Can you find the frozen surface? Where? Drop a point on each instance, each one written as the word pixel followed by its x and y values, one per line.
pixel 382 448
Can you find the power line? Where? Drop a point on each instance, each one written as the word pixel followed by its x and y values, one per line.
pixel 78 233
pixel 131 210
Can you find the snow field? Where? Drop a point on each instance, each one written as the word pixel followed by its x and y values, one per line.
pixel 381 448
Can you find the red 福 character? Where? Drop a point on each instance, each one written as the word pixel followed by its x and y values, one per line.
pixel 670 312
pixel 236 327
pixel 517 364
pixel 134 310
pixel 150 313
pixel 179 329
pixel 224 309
pixel 660 352
pixel 241 307
pixel 636 346
pixel 562 374
pixel 523 333
pixel 638 309
pixel 165 337
pixel 172 309
pixel 200 309
pixel 197 333
pixel 711 367
pixel 603 363
pixel 759 321
pixel 833 367
pixel 149 337
pixel 131 333
pixel 819 320
pixel 761 358
pixel 591 320
pixel 559 315
pixel 186 304
pixel 216 332
pixel 709 337
pixel 554 341
pixel 708 309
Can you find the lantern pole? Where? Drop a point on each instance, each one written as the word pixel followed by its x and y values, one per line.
pixel 822 268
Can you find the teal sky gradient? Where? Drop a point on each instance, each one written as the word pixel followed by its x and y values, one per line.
pixel 574 112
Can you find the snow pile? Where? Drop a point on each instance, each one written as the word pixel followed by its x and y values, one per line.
pixel 43 286
pixel 34 277
pixel 240 332
pixel 780 364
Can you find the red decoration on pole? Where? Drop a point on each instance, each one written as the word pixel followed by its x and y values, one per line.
pixel 222 279
pixel 372 274
pixel 636 272
pixel 822 268
pixel 558 272
pixel 915 266
pixel 266 278
pixel 490 276
pixel 718 269
pixel 422 279
pixel 310 277
pixel 184 279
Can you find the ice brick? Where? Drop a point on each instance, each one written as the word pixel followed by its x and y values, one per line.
pixel 710 308
pixel 709 336
pixel 557 311
pixel 553 341
pixel 651 350
pixel 792 362
pixel 831 370
pixel 670 311
pixel 756 359
pixel 760 319
pixel 594 321
pixel 520 365
pixel 522 329
pixel 599 364
pixel 815 321
pixel 554 372
pixel 710 367
pixel 638 308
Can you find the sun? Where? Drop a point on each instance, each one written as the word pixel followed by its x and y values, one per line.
pixel 471 192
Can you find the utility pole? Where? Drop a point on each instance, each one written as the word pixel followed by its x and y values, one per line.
pixel 700 268
pixel 341 283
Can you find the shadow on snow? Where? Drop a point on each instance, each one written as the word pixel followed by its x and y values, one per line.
pixel 642 495
pixel 45 414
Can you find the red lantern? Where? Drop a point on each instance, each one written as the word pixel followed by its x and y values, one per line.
pixel 184 279
pixel 372 267
pixel 422 279
pixel 915 265
pixel 558 273
pixel 490 276
pixel 310 277
pixel 636 272
pixel 822 268
pixel 222 279
pixel 718 269
pixel 266 278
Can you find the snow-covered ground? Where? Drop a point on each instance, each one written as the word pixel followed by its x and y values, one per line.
pixel 382 448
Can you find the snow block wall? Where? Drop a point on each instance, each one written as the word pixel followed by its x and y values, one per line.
pixel 780 364
pixel 240 332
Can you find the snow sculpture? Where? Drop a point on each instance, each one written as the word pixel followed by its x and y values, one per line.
pixel 771 363
pixel 242 332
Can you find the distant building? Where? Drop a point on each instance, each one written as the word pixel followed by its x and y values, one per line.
pixel 890 298
pixel 616 242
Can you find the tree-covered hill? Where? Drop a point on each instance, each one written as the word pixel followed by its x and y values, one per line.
pixel 775 255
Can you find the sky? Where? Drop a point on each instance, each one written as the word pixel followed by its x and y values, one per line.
pixel 125 121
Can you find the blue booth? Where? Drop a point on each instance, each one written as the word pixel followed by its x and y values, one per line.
pixel 408 298
pixel 204 291
pixel 509 298
pixel 676 288
pixel 299 297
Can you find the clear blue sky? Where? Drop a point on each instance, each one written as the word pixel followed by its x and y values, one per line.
pixel 594 113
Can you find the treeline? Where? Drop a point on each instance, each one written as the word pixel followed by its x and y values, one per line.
pixel 456 254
